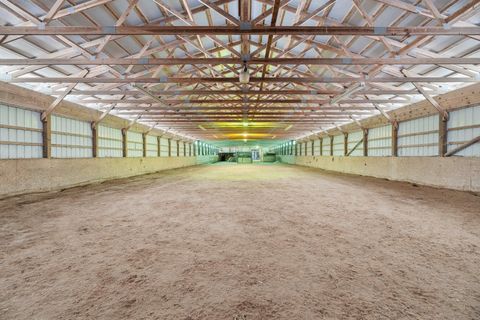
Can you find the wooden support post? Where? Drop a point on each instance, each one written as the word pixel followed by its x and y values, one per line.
pixel 94 140
pixel 331 145
pixel 313 147
pixel 178 148
pixel 124 143
pixel 158 146
pixel 305 152
pixel 144 144
pixel 195 149
pixel 184 149
pixel 47 136
pixel 345 144
pixel 394 139
pixel 442 135
pixel 321 146
pixel 296 149
pixel 365 142
pixel 169 147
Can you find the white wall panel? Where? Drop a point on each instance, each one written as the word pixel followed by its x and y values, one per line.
pixel 316 147
pixel 180 148
pixel 418 137
pixel 308 147
pixel 174 148
pixel 134 144
pixel 353 139
pixel 380 141
pixel 20 133
pixel 109 142
pixel 71 138
pixel 326 146
pixel 463 126
pixel 338 145
pixel 163 147
pixel 152 146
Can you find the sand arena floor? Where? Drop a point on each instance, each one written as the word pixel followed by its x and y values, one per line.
pixel 241 241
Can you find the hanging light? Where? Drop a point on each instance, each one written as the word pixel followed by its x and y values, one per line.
pixel 244 74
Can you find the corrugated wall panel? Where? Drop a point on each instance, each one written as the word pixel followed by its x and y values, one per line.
pixel 134 144
pixel 152 146
pixel 308 148
pixel 109 142
pixel 316 147
pixel 326 146
pixel 20 133
pixel 380 141
pixel 463 126
pixel 71 138
pixel 163 147
pixel 418 137
pixel 174 148
pixel 353 139
pixel 180 148
pixel 338 145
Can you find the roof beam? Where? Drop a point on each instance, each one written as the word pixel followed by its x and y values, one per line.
pixel 234 30
pixel 235 80
pixel 241 101
pixel 233 92
pixel 253 61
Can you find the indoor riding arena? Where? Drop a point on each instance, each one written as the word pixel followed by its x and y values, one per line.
pixel 240 159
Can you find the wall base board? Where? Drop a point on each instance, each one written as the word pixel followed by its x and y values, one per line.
pixel 37 175
pixel 449 172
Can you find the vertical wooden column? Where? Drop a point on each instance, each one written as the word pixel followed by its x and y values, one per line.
pixel 158 146
pixel 313 147
pixel 394 139
pixel 331 145
pixel 345 143
pixel 124 143
pixel 442 134
pixel 94 140
pixel 296 149
pixel 169 147
pixel 184 149
pixel 365 142
pixel 144 144
pixel 178 148
pixel 321 146
pixel 47 136
pixel 195 149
